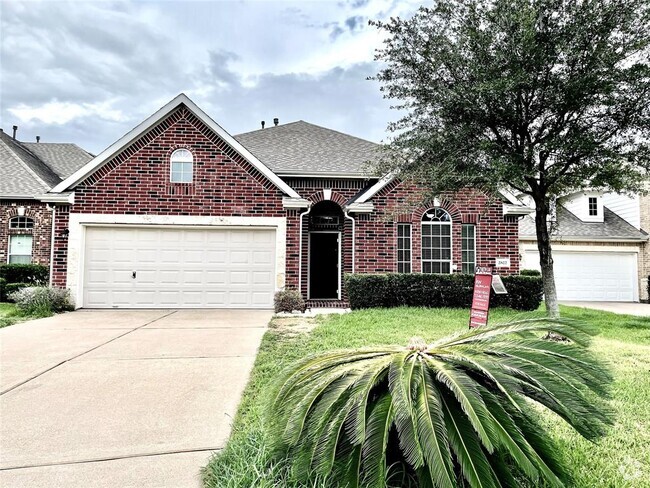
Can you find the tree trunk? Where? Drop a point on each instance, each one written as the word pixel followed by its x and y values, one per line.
pixel 546 258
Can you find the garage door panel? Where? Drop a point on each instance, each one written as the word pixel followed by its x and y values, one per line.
pixel 179 267
pixel 593 276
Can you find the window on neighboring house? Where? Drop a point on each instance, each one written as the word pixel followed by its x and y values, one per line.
pixel 182 166
pixel 468 248
pixel 20 249
pixel 21 222
pixel 436 241
pixel 403 248
pixel 593 206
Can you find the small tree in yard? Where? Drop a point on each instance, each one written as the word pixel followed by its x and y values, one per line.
pixel 546 97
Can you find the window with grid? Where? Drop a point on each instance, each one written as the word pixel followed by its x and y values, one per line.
pixel 593 206
pixel 403 248
pixel 21 222
pixel 468 248
pixel 436 241
pixel 182 166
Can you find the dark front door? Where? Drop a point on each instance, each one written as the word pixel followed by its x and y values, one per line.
pixel 324 265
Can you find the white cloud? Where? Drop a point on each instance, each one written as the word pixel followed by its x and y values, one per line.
pixel 60 113
pixel 88 71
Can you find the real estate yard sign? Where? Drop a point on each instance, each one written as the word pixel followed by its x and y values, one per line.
pixel 481 298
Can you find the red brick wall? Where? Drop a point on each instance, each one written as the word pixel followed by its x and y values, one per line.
pixel 41 233
pixel 136 181
pixel 376 233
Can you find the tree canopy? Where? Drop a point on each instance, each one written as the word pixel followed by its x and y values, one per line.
pixel 546 97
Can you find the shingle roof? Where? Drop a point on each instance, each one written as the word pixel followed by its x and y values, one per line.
pixel 302 148
pixel 26 174
pixel 64 158
pixel 569 227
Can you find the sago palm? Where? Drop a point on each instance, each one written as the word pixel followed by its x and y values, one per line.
pixel 458 412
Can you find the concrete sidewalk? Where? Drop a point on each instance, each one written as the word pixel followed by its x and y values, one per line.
pixel 121 398
pixel 627 308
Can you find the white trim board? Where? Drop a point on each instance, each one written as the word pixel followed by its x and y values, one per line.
pixel 79 223
pixel 112 150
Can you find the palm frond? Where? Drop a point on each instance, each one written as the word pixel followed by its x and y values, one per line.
pixel 455 412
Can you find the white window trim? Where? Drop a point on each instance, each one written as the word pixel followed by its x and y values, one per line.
pixel 16 217
pixel 31 249
pixel 410 249
pixel 589 214
pixel 462 239
pixel 180 159
pixel 451 245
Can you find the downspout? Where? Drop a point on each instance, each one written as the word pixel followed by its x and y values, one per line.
pixel 345 214
pixel 300 216
pixel 52 244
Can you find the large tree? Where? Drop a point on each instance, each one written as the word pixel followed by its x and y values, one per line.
pixel 544 97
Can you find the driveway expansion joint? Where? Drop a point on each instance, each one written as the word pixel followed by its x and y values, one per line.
pixel 113 458
pixel 17 385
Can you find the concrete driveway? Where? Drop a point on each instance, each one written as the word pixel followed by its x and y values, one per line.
pixel 626 308
pixel 121 398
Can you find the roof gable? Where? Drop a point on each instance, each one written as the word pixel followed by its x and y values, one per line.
pixel 150 123
pixel 21 172
pixel 304 149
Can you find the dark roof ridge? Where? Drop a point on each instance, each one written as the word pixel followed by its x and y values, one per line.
pixel 313 125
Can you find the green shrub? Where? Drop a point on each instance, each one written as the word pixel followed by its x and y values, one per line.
pixel 433 290
pixel 11 288
pixel 42 300
pixel 288 301
pixel 34 274
pixel 3 291
pixel 530 272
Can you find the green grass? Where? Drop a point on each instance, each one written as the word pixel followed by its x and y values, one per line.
pixel 621 459
pixel 10 315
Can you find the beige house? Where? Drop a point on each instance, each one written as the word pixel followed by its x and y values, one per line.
pixel 600 246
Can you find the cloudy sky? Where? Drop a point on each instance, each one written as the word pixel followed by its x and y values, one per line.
pixel 88 71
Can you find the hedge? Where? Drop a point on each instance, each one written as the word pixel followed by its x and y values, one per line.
pixel 434 290
pixel 34 274
pixel 3 293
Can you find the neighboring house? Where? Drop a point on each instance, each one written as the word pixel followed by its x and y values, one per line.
pixel 179 213
pixel 27 172
pixel 600 246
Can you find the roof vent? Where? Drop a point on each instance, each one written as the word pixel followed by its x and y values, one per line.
pixel 15 130
pixel 38 138
pixel 263 124
pixel 276 121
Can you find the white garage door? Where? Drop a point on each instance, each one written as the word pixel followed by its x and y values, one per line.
pixel 172 267
pixel 592 276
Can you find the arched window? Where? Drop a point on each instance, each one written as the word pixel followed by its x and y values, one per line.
pixel 181 166
pixel 20 222
pixel 436 241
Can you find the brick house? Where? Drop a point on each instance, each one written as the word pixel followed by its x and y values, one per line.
pixel 27 171
pixel 179 213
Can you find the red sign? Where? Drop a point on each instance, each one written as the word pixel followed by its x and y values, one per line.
pixel 481 298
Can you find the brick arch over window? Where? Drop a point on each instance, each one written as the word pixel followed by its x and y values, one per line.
pixel 13 212
pixel 319 196
pixel 445 204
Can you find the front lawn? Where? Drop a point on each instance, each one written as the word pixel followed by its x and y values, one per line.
pixel 621 459
pixel 10 315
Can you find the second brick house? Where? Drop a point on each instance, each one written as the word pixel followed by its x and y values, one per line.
pixel 179 213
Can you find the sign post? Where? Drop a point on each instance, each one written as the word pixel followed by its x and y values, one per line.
pixel 481 297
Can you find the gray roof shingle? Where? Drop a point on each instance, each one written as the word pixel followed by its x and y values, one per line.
pixel 24 173
pixel 569 227
pixel 301 148
pixel 64 158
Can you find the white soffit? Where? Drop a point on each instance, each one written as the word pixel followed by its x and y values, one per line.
pixel 111 151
